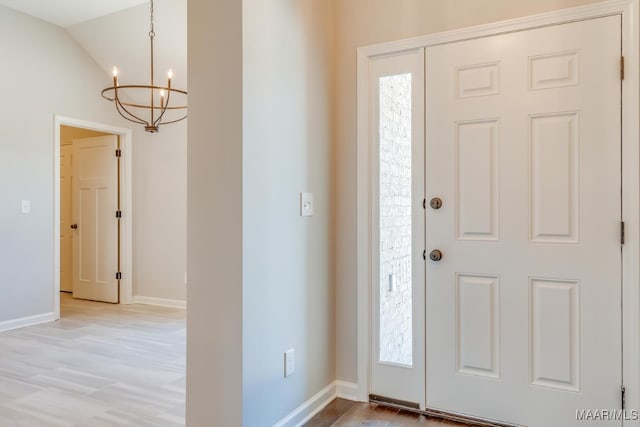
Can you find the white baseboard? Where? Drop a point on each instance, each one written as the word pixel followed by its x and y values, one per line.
pixel 175 303
pixel 348 391
pixel 310 408
pixel 8 325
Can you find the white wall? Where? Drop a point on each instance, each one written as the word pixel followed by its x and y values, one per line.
pixel 160 212
pixel 160 160
pixel 361 23
pixel 43 72
pixel 288 291
pixel 259 275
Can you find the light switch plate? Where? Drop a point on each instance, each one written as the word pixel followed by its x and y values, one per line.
pixel 25 206
pixel 289 362
pixel 306 204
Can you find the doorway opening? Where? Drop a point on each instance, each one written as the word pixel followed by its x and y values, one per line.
pixel 92 212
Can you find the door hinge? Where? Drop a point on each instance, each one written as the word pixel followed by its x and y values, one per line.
pixel 118 275
pixel 622 68
pixel 118 153
pixel 622 232
pixel 424 203
pixel 622 395
pixel 118 214
pixel 424 255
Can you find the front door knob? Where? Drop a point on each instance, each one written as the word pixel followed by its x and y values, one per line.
pixel 435 255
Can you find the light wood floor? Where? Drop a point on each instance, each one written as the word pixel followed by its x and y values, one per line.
pixel 101 365
pixel 105 365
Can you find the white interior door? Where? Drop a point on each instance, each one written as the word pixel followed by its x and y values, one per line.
pixel 397 120
pixel 66 235
pixel 95 201
pixel 524 148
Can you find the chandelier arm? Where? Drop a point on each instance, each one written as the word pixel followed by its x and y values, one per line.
pixel 167 88
pixel 157 121
pixel 163 109
pixel 128 104
pixel 131 117
pixel 174 121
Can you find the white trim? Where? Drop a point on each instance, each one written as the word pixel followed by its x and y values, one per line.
pixel 363 225
pixel 562 16
pixel 162 302
pixel 27 321
pixel 310 408
pixel 631 204
pixel 347 391
pixel 629 10
pixel 126 202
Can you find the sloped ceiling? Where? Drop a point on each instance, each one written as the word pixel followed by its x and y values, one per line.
pixel 115 32
pixel 69 12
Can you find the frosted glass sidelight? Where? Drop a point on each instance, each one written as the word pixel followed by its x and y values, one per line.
pixel 395 220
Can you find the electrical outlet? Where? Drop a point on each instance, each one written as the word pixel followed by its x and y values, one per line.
pixel 289 362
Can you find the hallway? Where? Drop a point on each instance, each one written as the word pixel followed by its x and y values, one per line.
pixel 101 365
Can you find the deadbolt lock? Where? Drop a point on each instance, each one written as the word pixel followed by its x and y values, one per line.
pixel 435 203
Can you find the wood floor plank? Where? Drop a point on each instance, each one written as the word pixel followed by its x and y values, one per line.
pixel 101 365
pixel 105 365
pixel 372 415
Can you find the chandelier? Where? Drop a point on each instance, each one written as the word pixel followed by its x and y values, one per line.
pixel 158 110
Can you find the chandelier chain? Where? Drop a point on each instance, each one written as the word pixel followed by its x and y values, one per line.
pixel 152 33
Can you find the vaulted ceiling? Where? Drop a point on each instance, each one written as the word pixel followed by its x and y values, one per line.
pixel 115 32
pixel 65 13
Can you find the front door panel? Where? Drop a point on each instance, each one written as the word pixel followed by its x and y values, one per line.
pixel 523 147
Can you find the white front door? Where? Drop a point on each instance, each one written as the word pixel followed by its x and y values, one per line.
pixel 95 201
pixel 66 233
pixel 397 129
pixel 523 146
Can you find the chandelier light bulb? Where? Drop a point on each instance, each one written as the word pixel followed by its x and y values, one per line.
pixel 170 74
pixel 162 93
pixel 115 71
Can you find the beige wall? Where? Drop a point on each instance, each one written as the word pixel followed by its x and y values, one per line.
pixel 360 23
pixel 260 277
pixel 214 214
pixel 160 159
pixel 160 211
pixel 44 73
pixel 49 73
pixel 287 284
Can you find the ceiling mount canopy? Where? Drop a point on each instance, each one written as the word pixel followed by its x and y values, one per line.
pixel 156 103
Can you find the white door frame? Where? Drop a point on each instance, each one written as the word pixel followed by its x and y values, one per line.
pixel 629 10
pixel 126 203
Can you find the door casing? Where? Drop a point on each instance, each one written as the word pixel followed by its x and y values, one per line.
pixel 628 10
pixel 126 203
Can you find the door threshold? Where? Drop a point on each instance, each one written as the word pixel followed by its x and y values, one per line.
pixel 450 416
pixel 434 413
pixel 401 404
